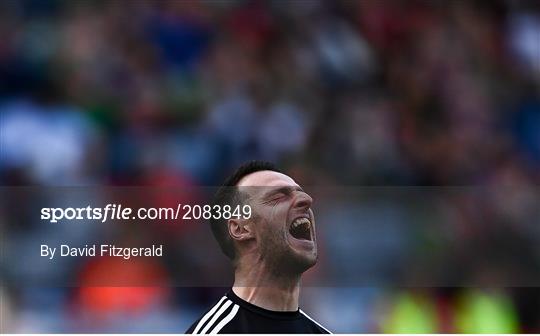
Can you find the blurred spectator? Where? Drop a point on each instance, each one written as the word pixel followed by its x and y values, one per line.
pixel 482 312
pixel 51 143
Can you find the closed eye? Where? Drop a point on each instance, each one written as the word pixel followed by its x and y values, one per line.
pixel 276 195
pixel 276 199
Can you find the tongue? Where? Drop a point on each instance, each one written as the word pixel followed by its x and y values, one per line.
pixel 301 232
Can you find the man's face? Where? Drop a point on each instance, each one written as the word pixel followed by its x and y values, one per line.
pixel 283 221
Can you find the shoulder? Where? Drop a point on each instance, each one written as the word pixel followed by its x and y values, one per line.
pixel 215 318
pixel 316 325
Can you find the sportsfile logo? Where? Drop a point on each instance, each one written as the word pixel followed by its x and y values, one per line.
pixel 110 211
pixel 119 212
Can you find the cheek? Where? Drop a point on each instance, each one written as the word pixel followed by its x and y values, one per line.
pixel 261 224
pixel 270 220
pixel 275 215
pixel 279 214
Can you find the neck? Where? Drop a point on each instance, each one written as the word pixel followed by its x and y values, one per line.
pixel 266 289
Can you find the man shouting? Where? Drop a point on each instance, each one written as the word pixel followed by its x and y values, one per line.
pixel 269 251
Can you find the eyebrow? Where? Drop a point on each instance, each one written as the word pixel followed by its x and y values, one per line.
pixel 285 190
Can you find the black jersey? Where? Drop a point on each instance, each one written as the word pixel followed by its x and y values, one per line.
pixel 232 315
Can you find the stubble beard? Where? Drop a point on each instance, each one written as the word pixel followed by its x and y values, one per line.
pixel 281 259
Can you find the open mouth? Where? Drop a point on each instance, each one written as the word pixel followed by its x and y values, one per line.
pixel 301 228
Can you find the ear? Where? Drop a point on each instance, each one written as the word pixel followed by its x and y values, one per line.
pixel 240 229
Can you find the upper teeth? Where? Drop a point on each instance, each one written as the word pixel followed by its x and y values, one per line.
pixel 300 221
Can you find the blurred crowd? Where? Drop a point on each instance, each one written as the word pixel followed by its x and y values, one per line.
pixel 350 93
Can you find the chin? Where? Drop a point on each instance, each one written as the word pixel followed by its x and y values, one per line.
pixel 301 262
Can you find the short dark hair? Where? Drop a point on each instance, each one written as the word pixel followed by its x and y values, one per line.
pixel 229 194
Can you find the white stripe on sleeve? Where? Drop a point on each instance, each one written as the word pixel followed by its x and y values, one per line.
pixel 216 316
pixel 207 316
pixel 226 320
pixel 317 323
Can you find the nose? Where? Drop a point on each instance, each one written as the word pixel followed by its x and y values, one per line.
pixel 302 201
